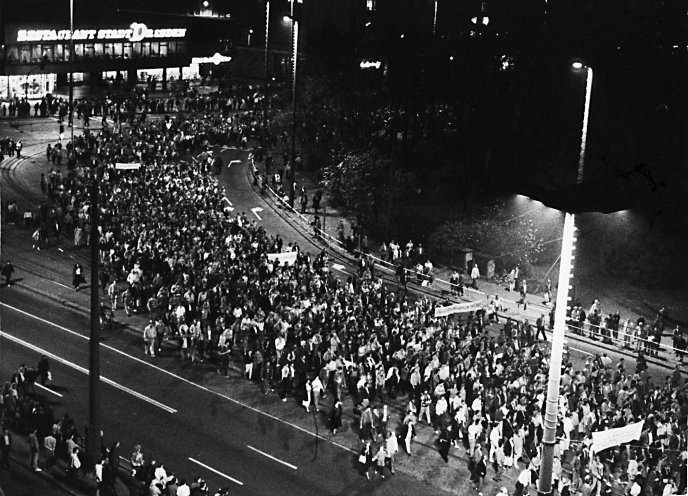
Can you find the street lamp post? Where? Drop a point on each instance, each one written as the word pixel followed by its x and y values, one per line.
pixel 266 102
pixel 562 303
pixel 70 120
pixel 434 20
pixel 93 439
pixel 294 60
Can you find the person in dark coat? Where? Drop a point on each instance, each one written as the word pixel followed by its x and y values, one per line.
pixel 445 442
pixel 5 446
pixel 7 271
pixel 43 369
pixel 365 458
pixel 336 417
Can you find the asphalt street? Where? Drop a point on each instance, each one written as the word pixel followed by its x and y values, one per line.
pixel 193 429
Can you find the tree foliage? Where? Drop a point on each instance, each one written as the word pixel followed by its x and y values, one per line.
pixel 357 182
pixel 493 231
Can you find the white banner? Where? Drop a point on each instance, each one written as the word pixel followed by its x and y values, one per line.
pixel 127 166
pixel 289 257
pixel 613 437
pixel 470 306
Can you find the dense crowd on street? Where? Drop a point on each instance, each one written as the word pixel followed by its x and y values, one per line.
pixel 173 250
pixel 56 444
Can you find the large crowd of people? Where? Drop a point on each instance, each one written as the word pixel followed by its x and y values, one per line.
pixel 208 279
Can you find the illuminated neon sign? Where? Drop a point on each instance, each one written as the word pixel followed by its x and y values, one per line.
pixel 216 59
pixel 136 32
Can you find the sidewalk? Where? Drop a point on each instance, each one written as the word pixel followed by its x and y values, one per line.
pixel 20 480
pixel 440 289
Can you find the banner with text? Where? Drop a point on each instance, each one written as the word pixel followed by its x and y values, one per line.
pixel 289 257
pixel 127 166
pixel 613 437
pixel 469 306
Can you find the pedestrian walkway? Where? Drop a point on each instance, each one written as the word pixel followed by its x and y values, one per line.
pixel 511 308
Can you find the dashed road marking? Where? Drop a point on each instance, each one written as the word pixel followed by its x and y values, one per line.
pixel 267 455
pixel 216 471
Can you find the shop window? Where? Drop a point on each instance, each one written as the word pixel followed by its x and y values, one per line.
pixel 48 53
pixel 36 53
pixel 370 5
pixel 163 49
pixel 98 50
pixel 12 54
pixel 107 50
pixel 24 54
pixel 136 49
pixel 181 47
pixel 146 49
pixel 78 51
pixel 127 51
pixel 89 51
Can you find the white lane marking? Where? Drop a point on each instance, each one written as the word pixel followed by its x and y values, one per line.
pixel 216 471
pixel 85 371
pixel 47 389
pixel 233 162
pixel 63 285
pixel 255 212
pixel 294 467
pixel 187 381
pixel 227 200
pixel 580 351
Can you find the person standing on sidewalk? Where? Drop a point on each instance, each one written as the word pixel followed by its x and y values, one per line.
pixel 149 336
pixel 475 275
pixel 5 447
pixel 77 276
pixel 34 446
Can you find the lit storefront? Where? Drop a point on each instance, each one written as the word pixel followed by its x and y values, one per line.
pixel 37 58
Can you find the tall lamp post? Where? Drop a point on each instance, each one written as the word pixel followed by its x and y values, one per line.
pixel 294 59
pixel 562 303
pixel 434 20
pixel 267 67
pixel 93 440
pixel 70 119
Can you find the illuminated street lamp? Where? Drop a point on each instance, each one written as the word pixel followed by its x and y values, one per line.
pixel 294 60
pixel 562 302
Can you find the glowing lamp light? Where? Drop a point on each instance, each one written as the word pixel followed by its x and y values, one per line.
pixel 216 59
pixel 205 4
pixel 577 66
pixel 370 64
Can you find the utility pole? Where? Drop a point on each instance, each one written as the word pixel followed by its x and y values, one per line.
pixel 267 67
pixel 70 119
pixel 562 303
pixel 94 342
